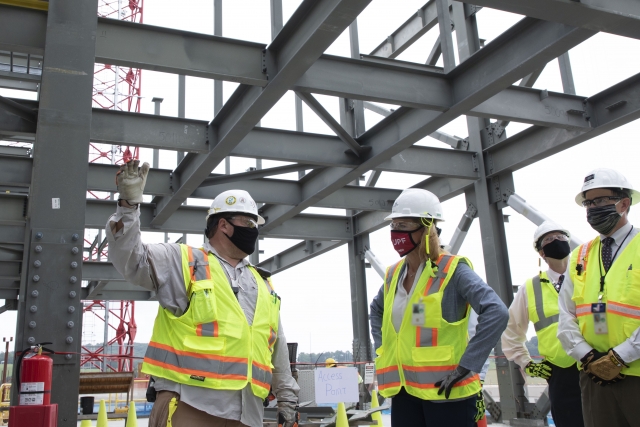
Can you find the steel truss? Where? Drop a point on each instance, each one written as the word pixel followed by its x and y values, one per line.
pixel 483 86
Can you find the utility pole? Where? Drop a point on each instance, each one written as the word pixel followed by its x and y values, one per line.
pixel 6 358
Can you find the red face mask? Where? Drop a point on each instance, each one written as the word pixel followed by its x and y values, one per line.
pixel 403 242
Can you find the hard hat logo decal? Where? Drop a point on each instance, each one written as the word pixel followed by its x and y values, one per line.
pixel 242 200
pixel 589 178
pixel 230 200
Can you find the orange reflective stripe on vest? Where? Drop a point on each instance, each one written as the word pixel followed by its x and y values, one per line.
pixel 261 375
pixel 388 377
pixel 207 329
pixel 206 365
pixel 428 376
pixel 428 337
pixel 583 310
pixel 624 310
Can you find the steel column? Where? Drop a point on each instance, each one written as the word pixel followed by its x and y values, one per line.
pixel 50 308
pixel 484 197
pixel 566 74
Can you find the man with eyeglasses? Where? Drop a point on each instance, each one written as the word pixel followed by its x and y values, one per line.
pixel 217 346
pixel 537 302
pixel 600 304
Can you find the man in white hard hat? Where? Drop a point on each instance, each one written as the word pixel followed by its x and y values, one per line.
pixel 537 302
pixel 217 345
pixel 600 303
pixel 419 323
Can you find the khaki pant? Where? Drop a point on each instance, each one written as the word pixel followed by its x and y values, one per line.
pixel 614 405
pixel 185 415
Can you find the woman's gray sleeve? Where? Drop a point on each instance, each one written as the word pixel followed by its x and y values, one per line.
pixel 376 311
pixel 492 316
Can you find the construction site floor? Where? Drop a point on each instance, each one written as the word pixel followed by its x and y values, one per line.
pixel 144 422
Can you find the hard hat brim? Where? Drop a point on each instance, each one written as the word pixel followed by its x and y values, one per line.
pixel 401 215
pixel 260 220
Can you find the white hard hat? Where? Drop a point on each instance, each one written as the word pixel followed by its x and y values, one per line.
pixel 545 228
pixel 416 203
pixel 607 178
pixel 235 201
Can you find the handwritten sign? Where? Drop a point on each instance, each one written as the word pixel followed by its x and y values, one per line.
pixel 335 385
pixel 369 372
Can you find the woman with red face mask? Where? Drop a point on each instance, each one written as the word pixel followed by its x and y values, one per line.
pixel 419 318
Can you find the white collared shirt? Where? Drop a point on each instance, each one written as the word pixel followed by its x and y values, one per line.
pixel 568 330
pixel 514 337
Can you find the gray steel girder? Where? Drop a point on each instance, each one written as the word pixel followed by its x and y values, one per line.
pixel 511 56
pixel 311 29
pixel 621 17
pixel 298 254
pixel 607 110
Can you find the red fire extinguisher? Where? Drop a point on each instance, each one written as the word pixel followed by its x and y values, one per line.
pixel 34 371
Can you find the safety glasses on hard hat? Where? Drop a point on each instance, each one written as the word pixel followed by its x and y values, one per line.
pixel 550 238
pixel 244 222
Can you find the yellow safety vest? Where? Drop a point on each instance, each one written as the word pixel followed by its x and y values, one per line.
pixel 621 294
pixel 212 345
pixel 542 299
pixel 417 357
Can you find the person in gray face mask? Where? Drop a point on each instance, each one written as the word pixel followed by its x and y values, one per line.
pixel 600 303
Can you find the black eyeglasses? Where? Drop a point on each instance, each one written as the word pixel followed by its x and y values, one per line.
pixel 600 201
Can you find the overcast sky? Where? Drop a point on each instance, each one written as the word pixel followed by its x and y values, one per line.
pixel 316 300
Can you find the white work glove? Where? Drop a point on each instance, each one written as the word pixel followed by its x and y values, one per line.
pixel 288 415
pixel 131 180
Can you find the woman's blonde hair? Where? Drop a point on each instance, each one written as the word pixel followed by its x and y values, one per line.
pixel 434 244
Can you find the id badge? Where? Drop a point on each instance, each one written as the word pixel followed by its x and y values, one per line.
pixel 599 311
pixel 417 314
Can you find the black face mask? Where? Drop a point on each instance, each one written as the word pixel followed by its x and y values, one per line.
pixel 557 249
pixel 244 238
pixel 603 219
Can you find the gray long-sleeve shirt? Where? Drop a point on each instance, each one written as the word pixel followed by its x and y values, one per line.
pixel 158 267
pixel 464 287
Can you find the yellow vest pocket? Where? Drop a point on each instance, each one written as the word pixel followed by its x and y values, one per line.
pixel 204 344
pixel 440 354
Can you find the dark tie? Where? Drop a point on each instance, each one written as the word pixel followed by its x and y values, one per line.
pixel 559 284
pixel 606 253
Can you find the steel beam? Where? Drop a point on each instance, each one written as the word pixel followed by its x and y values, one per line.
pixel 511 56
pixel 311 29
pixel 298 254
pixel 333 124
pixel 411 30
pixel 50 308
pixel 389 81
pixel 22 29
pixel 190 219
pixel 621 17
pixel 484 197
pixel 254 174
pixel 19 81
pixel 179 52
pixel 149 130
pixel 17 109
pixel 606 110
